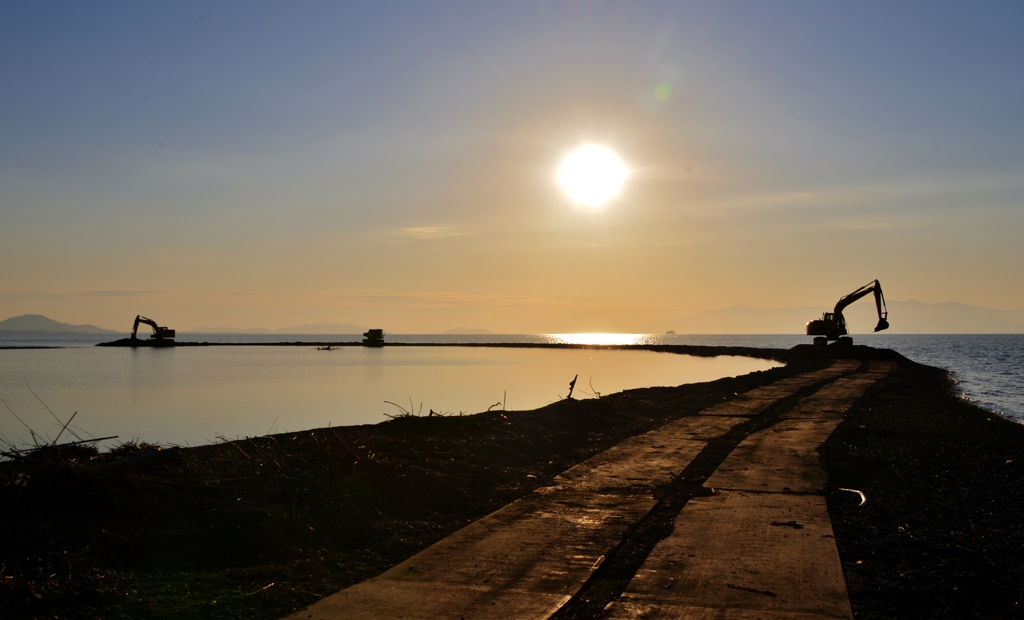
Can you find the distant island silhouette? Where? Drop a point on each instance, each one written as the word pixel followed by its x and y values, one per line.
pixel 40 323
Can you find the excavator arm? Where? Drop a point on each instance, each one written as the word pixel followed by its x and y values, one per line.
pixel 158 332
pixel 872 287
pixel 832 325
pixel 139 319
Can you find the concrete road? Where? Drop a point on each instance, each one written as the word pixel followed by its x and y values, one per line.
pixel 760 544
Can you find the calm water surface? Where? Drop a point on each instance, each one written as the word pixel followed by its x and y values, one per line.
pixel 193 395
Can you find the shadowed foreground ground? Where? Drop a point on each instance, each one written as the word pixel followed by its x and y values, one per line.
pixel 259 527
pixel 942 533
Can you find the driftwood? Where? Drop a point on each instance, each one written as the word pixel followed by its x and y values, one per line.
pixel 70 443
pixel 572 385
pixel 65 428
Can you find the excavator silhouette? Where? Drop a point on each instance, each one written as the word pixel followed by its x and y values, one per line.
pixel 159 333
pixel 832 325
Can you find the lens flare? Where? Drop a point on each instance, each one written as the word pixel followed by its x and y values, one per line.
pixel 592 175
pixel 663 91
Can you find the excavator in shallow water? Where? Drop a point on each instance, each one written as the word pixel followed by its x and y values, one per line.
pixel 832 325
pixel 159 333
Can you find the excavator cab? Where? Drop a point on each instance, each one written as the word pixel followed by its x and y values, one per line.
pixel 835 319
pixel 830 325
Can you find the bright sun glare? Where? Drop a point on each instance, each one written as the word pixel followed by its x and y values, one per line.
pixel 592 175
pixel 600 338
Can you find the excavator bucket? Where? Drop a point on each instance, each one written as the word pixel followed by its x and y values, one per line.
pixel 882 324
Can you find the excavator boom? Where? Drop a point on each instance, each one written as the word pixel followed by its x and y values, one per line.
pixel 872 287
pixel 832 325
pixel 160 333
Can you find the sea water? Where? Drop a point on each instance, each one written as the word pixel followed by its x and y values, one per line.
pixel 989 368
pixel 193 395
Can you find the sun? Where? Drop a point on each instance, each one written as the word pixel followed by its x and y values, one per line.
pixel 592 175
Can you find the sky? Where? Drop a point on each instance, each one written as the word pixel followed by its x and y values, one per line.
pixel 393 164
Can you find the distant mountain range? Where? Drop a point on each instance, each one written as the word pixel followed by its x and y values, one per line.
pixel 320 327
pixel 905 317
pixel 39 323
pixel 462 331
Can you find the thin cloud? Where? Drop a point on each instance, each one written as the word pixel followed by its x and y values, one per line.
pixel 911 189
pixel 887 224
pixel 77 294
pixel 431 232
pixel 678 172
pixel 438 299
pixel 117 293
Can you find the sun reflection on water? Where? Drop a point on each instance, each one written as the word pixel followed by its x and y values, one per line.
pixel 599 338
